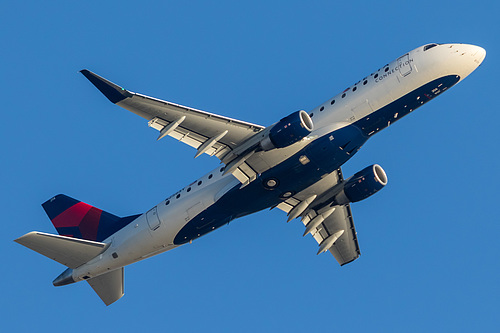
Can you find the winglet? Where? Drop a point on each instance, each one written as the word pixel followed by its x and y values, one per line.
pixel 112 91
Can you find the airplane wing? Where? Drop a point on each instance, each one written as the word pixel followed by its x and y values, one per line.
pixel 207 132
pixel 339 225
pixel 346 247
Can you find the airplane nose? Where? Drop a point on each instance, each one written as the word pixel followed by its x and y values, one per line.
pixel 479 54
pixel 476 52
pixel 465 58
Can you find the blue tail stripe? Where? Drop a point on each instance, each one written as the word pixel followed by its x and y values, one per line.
pixel 109 225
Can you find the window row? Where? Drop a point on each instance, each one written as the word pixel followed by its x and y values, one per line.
pixel 365 82
pixel 178 195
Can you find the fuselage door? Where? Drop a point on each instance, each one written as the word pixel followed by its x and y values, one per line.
pixel 404 65
pixel 153 219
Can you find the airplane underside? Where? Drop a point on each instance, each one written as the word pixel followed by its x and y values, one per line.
pixel 293 165
pixel 324 156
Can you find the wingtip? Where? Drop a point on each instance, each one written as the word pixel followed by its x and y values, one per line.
pixel 112 91
pixel 20 239
pixel 86 73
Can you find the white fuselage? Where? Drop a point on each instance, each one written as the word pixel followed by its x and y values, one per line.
pixel 154 232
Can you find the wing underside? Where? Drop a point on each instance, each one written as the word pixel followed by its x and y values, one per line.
pixel 209 133
pixel 345 249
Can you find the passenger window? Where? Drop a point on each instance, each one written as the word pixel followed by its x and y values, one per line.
pixel 210 177
pixel 322 108
pixel 332 102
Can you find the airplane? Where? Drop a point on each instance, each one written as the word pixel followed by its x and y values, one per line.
pixel 293 165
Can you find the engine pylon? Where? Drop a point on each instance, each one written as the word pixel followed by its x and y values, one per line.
pixel 300 208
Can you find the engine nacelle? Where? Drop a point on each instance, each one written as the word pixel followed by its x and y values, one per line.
pixel 363 184
pixel 288 130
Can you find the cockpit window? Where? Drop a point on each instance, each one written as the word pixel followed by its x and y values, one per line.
pixel 429 46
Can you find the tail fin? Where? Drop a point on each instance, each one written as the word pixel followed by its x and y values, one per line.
pixel 77 219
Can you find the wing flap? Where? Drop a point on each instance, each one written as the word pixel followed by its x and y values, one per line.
pixel 69 251
pixel 346 247
pixel 197 126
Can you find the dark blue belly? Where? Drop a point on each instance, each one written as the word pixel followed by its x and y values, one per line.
pixel 322 156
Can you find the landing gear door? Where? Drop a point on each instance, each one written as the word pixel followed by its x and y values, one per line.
pixel 153 220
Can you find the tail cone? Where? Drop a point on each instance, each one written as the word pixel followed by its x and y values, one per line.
pixel 64 278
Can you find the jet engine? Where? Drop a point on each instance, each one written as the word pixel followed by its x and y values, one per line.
pixel 288 130
pixel 363 184
pixel 284 133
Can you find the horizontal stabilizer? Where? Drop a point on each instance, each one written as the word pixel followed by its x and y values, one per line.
pixel 70 252
pixel 108 286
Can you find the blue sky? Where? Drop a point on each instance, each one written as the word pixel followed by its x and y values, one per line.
pixel 429 240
